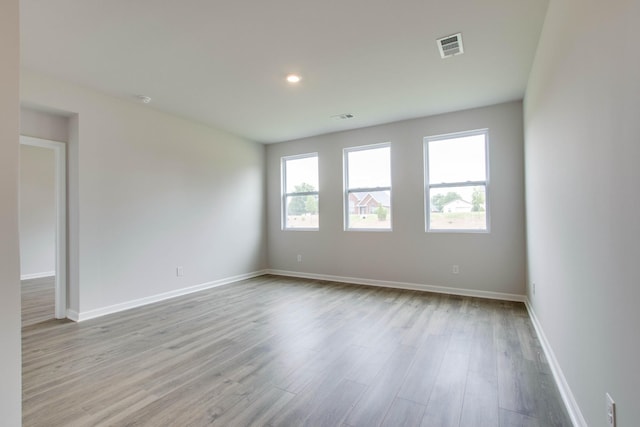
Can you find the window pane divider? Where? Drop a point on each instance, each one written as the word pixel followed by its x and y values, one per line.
pixel 368 190
pixel 305 193
pixel 458 184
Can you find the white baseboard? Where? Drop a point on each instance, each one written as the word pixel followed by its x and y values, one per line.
pixel 37 275
pixel 565 391
pixel 99 312
pixel 403 285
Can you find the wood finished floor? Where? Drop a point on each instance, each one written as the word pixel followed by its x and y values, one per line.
pixel 38 300
pixel 276 351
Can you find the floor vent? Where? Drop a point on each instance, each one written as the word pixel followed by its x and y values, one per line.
pixel 450 45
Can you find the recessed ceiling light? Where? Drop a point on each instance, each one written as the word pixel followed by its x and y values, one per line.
pixel 144 98
pixel 293 78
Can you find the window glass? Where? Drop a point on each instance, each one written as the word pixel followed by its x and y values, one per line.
pixel 300 197
pixel 456 182
pixel 368 187
pixel 457 159
pixel 369 167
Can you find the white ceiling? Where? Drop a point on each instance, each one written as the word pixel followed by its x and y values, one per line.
pixel 224 62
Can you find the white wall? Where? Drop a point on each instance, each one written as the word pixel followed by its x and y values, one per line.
pixel 37 212
pixel 582 127
pixel 44 124
pixel 148 192
pixel 10 381
pixel 493 262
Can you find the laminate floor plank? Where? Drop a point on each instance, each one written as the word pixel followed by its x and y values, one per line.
pixel 446 399
pixel 316 365
pixel 333 410
pixel 278 351
pixel 374 404
pixel 514 419
pixel 404 413
pixel 38 300
pixel 370 365
pixel 480 407
pixel 319 388
pixel 424 370
pixel 256 409
pixel 416 333
pixel 484 351
pixel 515 392
pixel 550 412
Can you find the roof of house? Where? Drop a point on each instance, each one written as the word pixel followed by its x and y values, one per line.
pixel 382 197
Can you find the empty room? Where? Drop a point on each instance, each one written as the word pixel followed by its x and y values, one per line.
pixel 360 213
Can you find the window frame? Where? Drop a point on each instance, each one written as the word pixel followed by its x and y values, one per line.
pixel 285 194
pixel 347 190
pixel 428 186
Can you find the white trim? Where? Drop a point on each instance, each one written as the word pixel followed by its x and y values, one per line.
pixel 60 155
pixel 428 186
pixel 347 187
pixel 403 285
pixel 285 194
pixel 565 391
pixel 563 386
pixel 37 275
pixel 99 312
pixel 73 315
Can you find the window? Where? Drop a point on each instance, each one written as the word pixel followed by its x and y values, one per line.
pixel 456 182
pixel 367 176
pixel 300 192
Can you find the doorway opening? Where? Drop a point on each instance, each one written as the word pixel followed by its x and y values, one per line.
pixel 60 222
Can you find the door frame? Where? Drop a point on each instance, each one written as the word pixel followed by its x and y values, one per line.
pixel 60 156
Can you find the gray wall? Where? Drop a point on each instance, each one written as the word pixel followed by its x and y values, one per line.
pixel 493 262
pixel 149 192
pixel 582 121
pixel 10 381
pixel 37 212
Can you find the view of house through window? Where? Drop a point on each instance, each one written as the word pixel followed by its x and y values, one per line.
pixel 456 182
pixel 300 192
pixel 368 187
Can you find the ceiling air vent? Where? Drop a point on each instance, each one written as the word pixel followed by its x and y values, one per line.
pixel 342 116
pixel 450 45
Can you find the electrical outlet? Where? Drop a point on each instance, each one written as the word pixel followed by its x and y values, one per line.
pixel 611 411
pixel 179 271
pixel 455 269
pixel 299 258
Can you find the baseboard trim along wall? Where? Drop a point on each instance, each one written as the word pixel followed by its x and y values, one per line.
pixel 99 312
pixel 37 275
pixel 402 285
pixel 565 391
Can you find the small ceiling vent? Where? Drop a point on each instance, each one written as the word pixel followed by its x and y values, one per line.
pixel 342 116
pixel 450 45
